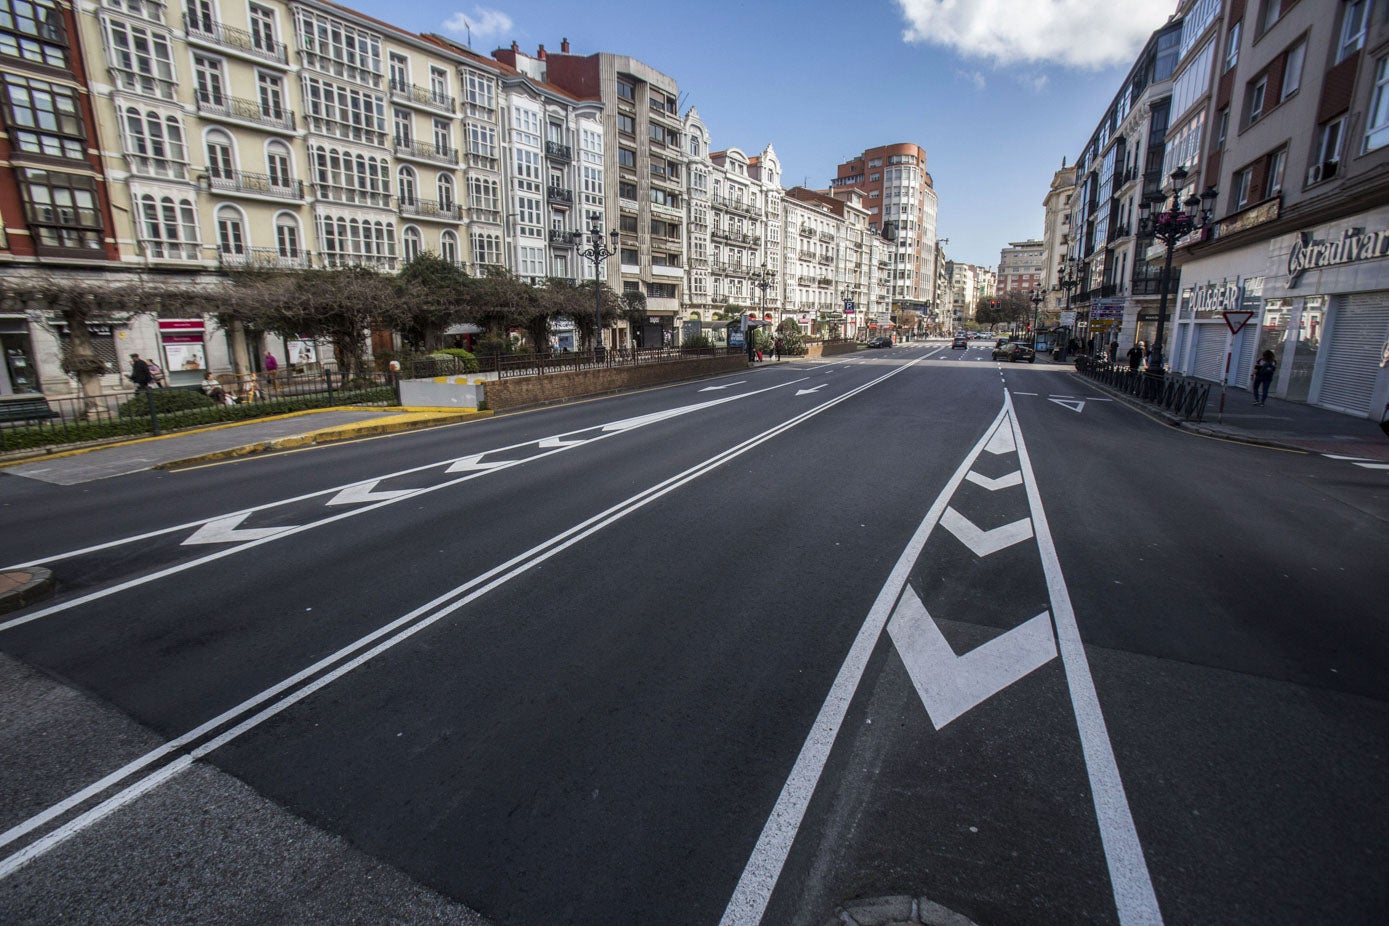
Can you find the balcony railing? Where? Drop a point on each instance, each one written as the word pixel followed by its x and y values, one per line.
pixel 826 236
pixel 244 110
pixel 562 237
pixel 347 194
pixel 806 254
pixel 483 161
pixel 264 258
pixel 236 39
pixel 825 258
pixel 411 93
pixel 425 151
pixel 158 249
pixel 558 152
pixel 558 194
pixel 807 231
pixel 339 259
pixel 430 209
pixel 241 181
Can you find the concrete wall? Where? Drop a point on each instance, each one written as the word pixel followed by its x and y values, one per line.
pixel 532 390
pixel 440 392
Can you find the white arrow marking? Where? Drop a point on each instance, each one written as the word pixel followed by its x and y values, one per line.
pixel 551 442
pixel 1337 456
pixel 981 542
pixel 361 494
pixel 1373 465
pixel 1001 442
pixel 724 386
pixel 809 391
pixel 993 485
pixel 224 530
pixel 1074 405
pixel 949 685
pixel 474 462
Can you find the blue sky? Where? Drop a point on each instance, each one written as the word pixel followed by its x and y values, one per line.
pixel 996 91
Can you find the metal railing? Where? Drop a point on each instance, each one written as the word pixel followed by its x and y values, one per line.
pixel 508 366
pixel 1182 395
pixel 106 416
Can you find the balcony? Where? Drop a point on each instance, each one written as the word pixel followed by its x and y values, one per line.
pixel 263 259
pixel 826 236
pixel 557 152
pixel 425 151
pixel 247 184
pixel 158 249
pixel 807 231
pixel 805 280
pixel 826 258
pixel 214 33
pixel 559 236
pixel 484 162
pixel 375 261
pixel 806 254
pixel 423 96
pixel 824 281
pixel 352 195
pixel 431 209
pixel 240 109
pixel 735 236
pixel 558 194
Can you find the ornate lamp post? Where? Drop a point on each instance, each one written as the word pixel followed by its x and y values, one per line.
pixel 1169 227
pixel 1036 299
pixel 1068 278
pixel 763 280
pixel 598 252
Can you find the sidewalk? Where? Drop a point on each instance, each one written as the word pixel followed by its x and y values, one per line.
pixel 1287 425
pixel 218 442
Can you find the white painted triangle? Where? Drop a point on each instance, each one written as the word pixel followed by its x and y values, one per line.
pixel 473 463
pixel 1002 441
pixel 366 492
pixel 809 391
pixel 724 386
pixel 1373 465
pixel 983 543
pixel 642 421
pixel 552 442
pixel 993 485
pixel 950 685
pixel 1074 405
pixel 224 530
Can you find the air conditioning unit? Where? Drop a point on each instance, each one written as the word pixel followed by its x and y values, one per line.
pixel 1323 171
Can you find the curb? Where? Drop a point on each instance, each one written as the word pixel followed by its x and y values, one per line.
pixel 328 436
pixel 23 587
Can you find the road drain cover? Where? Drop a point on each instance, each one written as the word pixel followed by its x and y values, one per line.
pixel 896 910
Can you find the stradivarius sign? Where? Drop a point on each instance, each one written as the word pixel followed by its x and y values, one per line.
pixel 1354 245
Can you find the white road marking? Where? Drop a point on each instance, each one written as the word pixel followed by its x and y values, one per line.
pixel 724 386
pixel 981 542
pixel 364 494
pixel 552 442
pixel 949 685
pixel 473 464
pixel 224 530
pixel 1373 465
pixel 993 485
pixel 1001 442
pixel 759 877
pixel 1128 870
pixel 1337 456
pixel 1075 405
pixel 1024 393
pixel 812 390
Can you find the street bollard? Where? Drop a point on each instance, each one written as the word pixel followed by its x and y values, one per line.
pixel 154 414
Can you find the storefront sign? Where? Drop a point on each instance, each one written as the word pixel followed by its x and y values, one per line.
pixel 1212 300
pixel 1258 215
pixel 1354 245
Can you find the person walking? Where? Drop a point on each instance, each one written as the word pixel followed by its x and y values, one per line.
pixel 139 373
pixel 776 348
pixel 1135 356
pixel 272 369
pixel 1264 368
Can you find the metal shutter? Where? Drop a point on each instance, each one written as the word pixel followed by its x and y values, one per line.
pixel 1246 351
pixel 1359 326
pixel 1208 359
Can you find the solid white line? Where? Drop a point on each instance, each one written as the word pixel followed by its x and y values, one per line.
pixel 754 889
pixel 498 575
pixel 1128 871
pixel 1373 465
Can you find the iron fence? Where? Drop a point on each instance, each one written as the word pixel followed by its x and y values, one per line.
pixel 506 366
pixel 86 418
pixel 1182 395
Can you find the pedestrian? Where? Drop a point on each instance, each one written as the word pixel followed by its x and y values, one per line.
pixel 156 374
pixel 214 391
pixel 272 369
pixel 776 348
pixel 1135 356
pixel 1113 352
pixel 1264 368
pixel 139 373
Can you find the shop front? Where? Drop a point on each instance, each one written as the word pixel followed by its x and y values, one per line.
pixel 18 372
pixel 183 344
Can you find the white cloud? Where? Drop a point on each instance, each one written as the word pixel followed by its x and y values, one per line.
pixel 973 77
pixel 482 22
pixel 1074 33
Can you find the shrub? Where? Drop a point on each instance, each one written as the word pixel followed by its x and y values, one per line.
pixel 490 346
pixel 469 360
pixel 166 401
pixel 792 339
pixel 697 342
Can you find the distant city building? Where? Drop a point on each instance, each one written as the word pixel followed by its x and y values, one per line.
pixel 1020 266
pixel 1056 235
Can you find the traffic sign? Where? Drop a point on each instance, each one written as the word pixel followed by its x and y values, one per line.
pixel 1236 320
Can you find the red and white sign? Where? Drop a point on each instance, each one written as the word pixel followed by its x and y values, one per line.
pixel 1236 320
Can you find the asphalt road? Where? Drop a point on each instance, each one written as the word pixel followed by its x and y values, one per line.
pixel 736 651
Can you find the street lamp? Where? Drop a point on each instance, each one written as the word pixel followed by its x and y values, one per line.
pixel 762 279
pixel 1169 227
pixel 1068 278
pixel 598 252
pixel 1036 305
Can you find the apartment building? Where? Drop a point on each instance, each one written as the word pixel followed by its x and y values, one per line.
pixel 1020 266
pixel 743 254
pixel 643 162
pixel 814 228
pixel 1056 236
pixel 902 204
pixel 863 287
pixel 54 208
pixel 1298 161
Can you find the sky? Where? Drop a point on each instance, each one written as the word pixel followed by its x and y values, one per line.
pixel 998 92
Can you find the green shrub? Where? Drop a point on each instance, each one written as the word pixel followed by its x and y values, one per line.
pixel 166 401
pixel 792 339
pixel 697 342
pixel 490 346
pixel 469 360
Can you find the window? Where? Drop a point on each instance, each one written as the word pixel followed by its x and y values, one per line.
pixel 1274 172
pixel 443 138
pixel 411 244
pixel 439 86
pixel 1222 127
pixel 349 241
pixel 33 30
pixel 483 193
pixel 443 189
pixel 626 157
pixel 169 226
pixel 399 70
pixel 1239 195
pixel 1232 44
pixel 221 165
pixel 43 117
pixel 154 144
pixel 231 233
pixel 1272 10
pixel 528 214
pixel 287 236
pixel 347 112
pixel 628 224
pixel 61 208
pixel 406 187
pixel 1292 70
pixel 277 162
pixel 626 124
pixel 207 71
pixel 482 140
pixel 356 51
pixel 626 91
pixel 200 16
pixel 1355 18
pixel 1377 124
pixel 1326 156
pixel 1255 105
pixel 448 247
pixel 629 256
pixel 661 290
pixel 525 127
pixel 404 130
pixel 481 92
pixel 263 29
pixel 487 248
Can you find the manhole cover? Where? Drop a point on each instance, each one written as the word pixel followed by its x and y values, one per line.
pixel 896 910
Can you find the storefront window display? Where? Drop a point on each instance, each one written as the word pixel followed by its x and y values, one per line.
pixel 18 373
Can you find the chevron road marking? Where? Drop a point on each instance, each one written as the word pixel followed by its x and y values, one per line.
pixel 363 493
pixel 949 685
pixel 472 463
pixel 224 530
pixel 1075 405
pixel 1001 442
pixel 981 542
pixel 993 485
pixel 550 443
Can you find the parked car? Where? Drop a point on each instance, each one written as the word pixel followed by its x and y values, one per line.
pixel 960 341
pixel 879 342
pixel 1014 352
